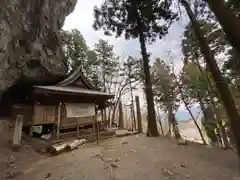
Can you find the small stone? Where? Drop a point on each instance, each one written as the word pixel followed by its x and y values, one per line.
pixel 47 175
pixel 137 136
pixel 132 150
pixel 11 159
pixel 182 142
pixel 168 172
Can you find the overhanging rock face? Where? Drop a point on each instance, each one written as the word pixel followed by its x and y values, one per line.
pixel 30 45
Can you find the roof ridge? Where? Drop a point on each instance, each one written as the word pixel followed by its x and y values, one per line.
pixel 74 76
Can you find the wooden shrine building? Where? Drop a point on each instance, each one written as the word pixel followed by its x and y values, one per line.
pixel 70 104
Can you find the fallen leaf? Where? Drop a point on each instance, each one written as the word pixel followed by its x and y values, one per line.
pixel 117 159
pixel 109 159
pixel 124 142
pixel 114 165
pixel 183 165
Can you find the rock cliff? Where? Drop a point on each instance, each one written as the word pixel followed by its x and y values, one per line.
pixel 30 45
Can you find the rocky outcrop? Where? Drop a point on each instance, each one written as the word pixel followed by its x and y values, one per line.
pixel 30 46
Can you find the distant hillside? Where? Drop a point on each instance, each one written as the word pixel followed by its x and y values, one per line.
pixel 183 114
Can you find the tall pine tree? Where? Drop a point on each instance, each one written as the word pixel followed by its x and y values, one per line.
pixel 145 20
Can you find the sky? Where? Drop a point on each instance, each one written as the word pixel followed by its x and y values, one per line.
pixel 82 19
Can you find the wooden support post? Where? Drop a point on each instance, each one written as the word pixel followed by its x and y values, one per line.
pixel 96 126
pixel 17 132
pixel 139 118
pixel 120 116
pixel 78 124
pixel 98 134
pixel 31 131
pixel 59 120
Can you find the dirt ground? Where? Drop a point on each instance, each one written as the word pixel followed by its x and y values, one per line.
pixel 12 164
pixel 135 157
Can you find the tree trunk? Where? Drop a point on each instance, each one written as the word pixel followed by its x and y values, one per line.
pixel 139 117
pixel 193 118
pixel 209 123
pixel 173 122
pixel 120 116
pixel 105 116
pixel 222 131
pixel 131 93
pixel 169 123
pixel 110 120
pixel 117 101
pixel 220 128
pixel 152 124
pixel 175 128
pixel 221 84
pixel 228 20
pixel 159 121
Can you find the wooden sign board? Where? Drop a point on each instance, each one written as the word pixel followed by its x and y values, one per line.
pixel 80 110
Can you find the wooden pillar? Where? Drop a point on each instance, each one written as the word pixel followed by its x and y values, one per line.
pixel 78 124
pixel 96 125
pixel 120 116
pixel 17 132
pixel 97 132
pixel 59 120
pixel 139 118
pixel 33 118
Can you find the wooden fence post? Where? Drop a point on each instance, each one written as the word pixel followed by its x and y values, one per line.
pixel 139 118
pixel 120 116
pixel 17 132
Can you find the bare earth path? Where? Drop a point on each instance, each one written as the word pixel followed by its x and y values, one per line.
pixel 137 158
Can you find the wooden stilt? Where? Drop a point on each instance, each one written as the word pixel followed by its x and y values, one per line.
pixel 58 120
pixel 17 132
pixel 31 131
pixel 96 126
pixel 97 134
pixel 78 123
